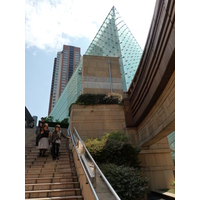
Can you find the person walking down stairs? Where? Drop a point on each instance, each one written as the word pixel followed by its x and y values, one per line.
pixel 47 179
pixel 37 133
pixel 56 141
pixel 43 144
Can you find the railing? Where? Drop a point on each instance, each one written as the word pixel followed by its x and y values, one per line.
pixel 85 172
pixel 100 172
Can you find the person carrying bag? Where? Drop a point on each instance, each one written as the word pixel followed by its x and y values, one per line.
pixel 56 141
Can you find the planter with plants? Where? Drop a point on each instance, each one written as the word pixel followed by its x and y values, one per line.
pixel 119 162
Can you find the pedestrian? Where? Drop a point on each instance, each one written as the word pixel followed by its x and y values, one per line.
pixel 37 134
pixel 56 141
pixel 31 125
pixel 43 144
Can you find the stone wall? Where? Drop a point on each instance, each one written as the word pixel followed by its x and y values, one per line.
pixel 96 77
pixel 160 121
pixel 94 121
pixel 157 165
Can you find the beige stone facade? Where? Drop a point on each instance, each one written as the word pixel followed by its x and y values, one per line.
pixel 94 121
pixel 157 165
pixel 96 77
pixel 160 121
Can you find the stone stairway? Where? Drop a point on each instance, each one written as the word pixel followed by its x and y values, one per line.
pixel 46 179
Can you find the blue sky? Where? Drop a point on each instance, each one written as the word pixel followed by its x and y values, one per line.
pixel 50 24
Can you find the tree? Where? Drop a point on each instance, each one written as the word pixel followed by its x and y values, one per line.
pixel 57 120
pixel 65 121
pixel 48 119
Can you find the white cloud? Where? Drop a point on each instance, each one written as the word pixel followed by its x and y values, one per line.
pixel 50 24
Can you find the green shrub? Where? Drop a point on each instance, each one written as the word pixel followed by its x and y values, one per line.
pixel 97 99
pixel 119 136
pixel 126 181
pixel 114 148
pixel 48 119
pixel 90 99
pixel 94 99
pixel 95 147
pixel 119 162
pixel 65 121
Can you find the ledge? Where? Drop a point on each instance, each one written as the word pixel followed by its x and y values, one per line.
pixel 164 193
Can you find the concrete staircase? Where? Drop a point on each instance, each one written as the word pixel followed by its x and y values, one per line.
pixel 47 179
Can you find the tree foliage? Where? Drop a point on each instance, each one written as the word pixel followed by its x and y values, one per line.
pixel 119 161
pixel 114 148
pixel 48 119
pixel 126 181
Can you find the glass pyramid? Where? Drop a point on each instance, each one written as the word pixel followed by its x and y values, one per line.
pixel 113 39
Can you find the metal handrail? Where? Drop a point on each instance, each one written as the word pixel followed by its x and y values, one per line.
pixel 102 175
pixel 88 179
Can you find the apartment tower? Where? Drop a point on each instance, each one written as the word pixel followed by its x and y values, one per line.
pixel 64 65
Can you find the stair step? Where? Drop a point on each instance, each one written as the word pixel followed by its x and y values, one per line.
pixel 67 171
pixel 59 198
pixel 58 166
pixel 41 175
pixel 51 180
pixel 51 186
pixel 30 159
pixel 36 162
pixel 33 170
pixel 28 162
pixel 37 166
pixel 52 193
pixel 28 156
pixel 56 170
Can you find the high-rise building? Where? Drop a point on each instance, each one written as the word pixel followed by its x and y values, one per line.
pixel 70 61
pixel 113 39
pixel 65 64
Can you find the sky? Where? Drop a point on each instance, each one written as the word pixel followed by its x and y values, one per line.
pixel 49 24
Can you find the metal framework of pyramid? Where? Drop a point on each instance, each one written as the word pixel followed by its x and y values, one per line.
pixel 113 39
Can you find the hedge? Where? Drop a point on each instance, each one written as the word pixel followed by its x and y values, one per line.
pixel 97 99
pixel 126 181
pixel 114 148
pixel 119 161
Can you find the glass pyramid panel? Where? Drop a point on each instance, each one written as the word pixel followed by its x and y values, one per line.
pixel 68 96
pixel 171 139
